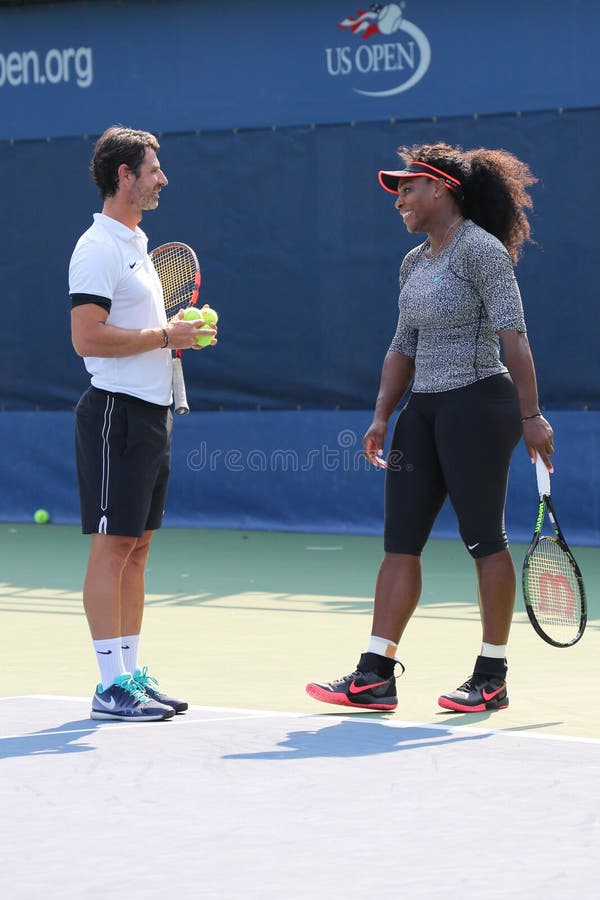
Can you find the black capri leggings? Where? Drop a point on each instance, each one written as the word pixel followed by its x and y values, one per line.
pixel 455 444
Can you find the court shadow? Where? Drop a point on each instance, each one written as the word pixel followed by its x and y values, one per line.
pixel 357 738
pixel 49 741
pixel 458 719
pixel 532 727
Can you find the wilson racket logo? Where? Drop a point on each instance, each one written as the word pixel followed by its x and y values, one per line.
pixel 556 596
pixel 384 68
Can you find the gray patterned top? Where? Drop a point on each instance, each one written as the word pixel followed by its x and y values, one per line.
pixel 451 308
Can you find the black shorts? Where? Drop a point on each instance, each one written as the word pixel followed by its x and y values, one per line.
pixel 123 455
pixel 455 444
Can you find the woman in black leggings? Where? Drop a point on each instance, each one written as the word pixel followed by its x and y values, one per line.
pixel 459 300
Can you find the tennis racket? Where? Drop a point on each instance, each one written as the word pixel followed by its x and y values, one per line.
pixel 179 272
pixel 553 588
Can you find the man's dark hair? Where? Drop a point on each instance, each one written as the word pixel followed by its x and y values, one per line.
pixel 116 146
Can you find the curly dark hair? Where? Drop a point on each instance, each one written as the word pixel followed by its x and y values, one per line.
pixel 494 188
pixel 116 146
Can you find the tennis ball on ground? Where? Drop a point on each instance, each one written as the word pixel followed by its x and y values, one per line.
pixel 41 516
pixel 208 317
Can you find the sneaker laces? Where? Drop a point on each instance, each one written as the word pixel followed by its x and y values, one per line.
pixel 346 678
pixel 474 682
pixel 135 690
pixel 142 677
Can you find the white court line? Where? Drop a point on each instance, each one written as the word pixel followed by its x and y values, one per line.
pixel 235 714
pixel 114 725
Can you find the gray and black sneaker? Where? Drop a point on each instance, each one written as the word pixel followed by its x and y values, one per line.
pixel 484 690
pixel 363 690
pixel 150 684
pixel 126 700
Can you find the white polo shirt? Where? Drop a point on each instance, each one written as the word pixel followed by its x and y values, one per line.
pixel 110 266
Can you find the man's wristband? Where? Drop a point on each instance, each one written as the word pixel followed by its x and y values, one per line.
pixel 165 338
pixel 525 418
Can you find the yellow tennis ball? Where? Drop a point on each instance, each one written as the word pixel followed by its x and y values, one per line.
pixel 208 317
pixel 41 516
pixel 191 313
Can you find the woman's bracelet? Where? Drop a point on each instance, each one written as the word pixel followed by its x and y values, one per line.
pixel 534 416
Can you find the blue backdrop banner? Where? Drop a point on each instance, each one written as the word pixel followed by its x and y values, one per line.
pixel 287 471
pixel 300 250
pixel 178 65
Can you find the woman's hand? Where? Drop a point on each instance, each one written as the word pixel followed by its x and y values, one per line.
pixel 373 442
pixel 539 438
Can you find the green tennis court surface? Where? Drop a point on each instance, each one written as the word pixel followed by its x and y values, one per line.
pixel 245 619
pixel 259 792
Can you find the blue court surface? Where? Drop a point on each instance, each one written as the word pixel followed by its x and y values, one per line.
pixel 232 803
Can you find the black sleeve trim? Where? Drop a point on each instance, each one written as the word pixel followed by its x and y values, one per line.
pixel 82 299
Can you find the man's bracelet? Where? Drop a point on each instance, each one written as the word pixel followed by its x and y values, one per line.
pixel 534 416
pixel 165 338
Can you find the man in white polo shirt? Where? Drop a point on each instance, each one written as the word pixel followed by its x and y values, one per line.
pixel 123 420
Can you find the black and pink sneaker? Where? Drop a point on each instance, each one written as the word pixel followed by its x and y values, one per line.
pixel 362 690
pixel 484 690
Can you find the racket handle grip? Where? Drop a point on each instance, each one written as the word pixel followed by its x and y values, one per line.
pixel 180 403
pixel 543 477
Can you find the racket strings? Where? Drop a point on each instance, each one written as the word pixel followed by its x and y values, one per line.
pixel 553 587
pixel 179 275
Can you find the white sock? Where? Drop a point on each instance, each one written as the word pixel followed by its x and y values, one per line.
pixel 494 651
pixel 129 647
pixel 110 660
pixel 382 646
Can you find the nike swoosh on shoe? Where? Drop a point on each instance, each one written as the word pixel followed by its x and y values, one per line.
pixel 354 689
pixel 491 694
pixel 106 704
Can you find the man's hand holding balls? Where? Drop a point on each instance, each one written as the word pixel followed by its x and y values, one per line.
pixel 209 318
pixel 193 328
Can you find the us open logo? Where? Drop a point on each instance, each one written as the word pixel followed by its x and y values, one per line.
pixel 395 65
